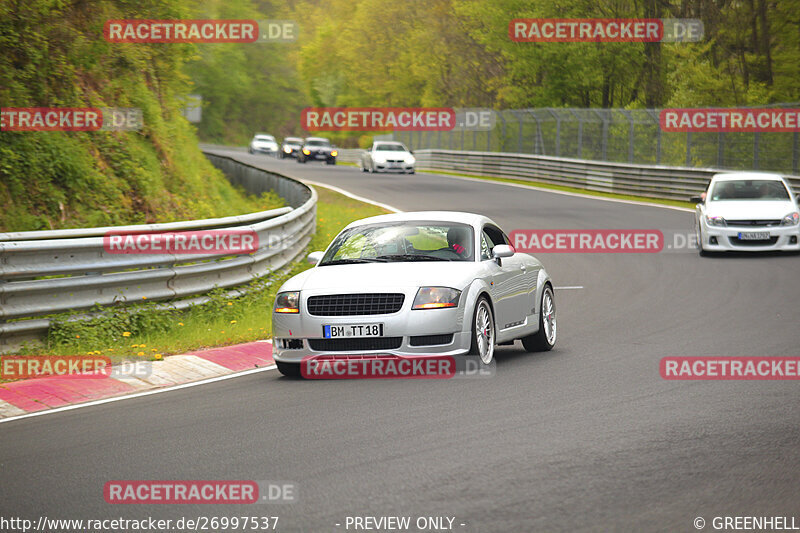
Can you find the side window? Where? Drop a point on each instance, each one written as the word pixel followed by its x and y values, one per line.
pixel 486 247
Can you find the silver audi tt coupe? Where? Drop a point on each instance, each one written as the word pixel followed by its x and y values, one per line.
pixel 421 283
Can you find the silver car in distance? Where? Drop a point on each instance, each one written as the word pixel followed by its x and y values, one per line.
pixel 423 283
pixel 747 211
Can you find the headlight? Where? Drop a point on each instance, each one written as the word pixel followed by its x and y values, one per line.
pixel 288 302
pixel 791 219
pixel 334 153
pixel 410 160
pixel 287 149
pixel 306 151
pixel 716 221
pixel 436 298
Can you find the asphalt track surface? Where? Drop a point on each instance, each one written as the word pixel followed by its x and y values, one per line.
pixel 587 437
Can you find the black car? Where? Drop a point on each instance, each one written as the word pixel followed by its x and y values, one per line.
pixel 290 147
pixel 317 148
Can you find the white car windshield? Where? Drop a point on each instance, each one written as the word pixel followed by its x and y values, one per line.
pixel 749 190
pixel 264 138
pixel 402 241
pixel 317 142
pixel 394 147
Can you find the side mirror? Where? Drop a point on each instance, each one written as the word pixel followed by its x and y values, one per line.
pixel 411 151
pixel 797 197
pixel 502 250
pixel 315 257
pixel 696 200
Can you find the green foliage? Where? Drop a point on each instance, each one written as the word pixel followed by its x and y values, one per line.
pixel 54 56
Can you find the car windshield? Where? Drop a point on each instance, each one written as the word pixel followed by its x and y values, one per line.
pixel 402 241
pixel 264 138
pixel 749 190
pixel 292 140
pixel 390 147
pixel 318 142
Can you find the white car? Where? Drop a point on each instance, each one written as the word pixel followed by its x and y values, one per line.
pixel 264 144
pixel 747 211
pixel 387 156
pixel 411 284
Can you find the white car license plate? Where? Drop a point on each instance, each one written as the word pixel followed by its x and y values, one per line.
pixel 352 330
pixel 754 236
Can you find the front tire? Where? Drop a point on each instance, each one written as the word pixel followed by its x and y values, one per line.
pixel 483 331
pixel 544 339
pixel 290 370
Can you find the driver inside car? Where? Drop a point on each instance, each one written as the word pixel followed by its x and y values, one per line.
pixel 458 240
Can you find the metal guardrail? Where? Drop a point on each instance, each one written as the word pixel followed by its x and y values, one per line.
pixel 49 272
pixel 655 181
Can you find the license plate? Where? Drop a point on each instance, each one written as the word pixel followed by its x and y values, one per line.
pixel 352 330
pixel 754 236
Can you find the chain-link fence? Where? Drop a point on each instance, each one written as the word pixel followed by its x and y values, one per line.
pixel 618 135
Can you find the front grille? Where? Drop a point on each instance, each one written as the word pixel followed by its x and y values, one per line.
pixel 379 303
pixel 736 241
pixel 431 340
pixel 395 161
pixel 751 223
pixel 355 344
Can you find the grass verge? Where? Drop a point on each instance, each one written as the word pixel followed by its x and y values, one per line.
pixel 143 332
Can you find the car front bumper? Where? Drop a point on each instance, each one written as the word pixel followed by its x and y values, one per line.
pixel 262 150
pixel 404 324
pixel 394 167
pixel 726 239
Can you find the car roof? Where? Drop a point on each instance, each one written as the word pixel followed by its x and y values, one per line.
pixel 433 216
pixel 730 176
pixel 387 142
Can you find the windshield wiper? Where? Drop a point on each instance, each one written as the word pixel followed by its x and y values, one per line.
pixel 354 260
pixel 412 257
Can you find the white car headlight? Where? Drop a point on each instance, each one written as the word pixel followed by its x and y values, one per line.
pixel 287 302
pixel 791 219
pixel 716 221
pixel 411 160
pixel 436 298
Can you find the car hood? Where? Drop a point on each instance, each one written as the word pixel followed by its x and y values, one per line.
pixel 391 155
pixel 265 143
pixel 750 209
pixel 358 277
pixel 319 148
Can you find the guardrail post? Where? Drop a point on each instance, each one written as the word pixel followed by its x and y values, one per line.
pixel 519 132
pixel 720 149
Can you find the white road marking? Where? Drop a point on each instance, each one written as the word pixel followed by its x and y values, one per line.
pixel 353 196
pixel 565 193
pixel 139 394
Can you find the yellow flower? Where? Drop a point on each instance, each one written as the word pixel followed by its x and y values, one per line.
pixel 140 354
pixel 180 323
pixel 223 331
pixel 142 346
pixel 77 336
pixel 134 345
pixel 126 333
pixel 144 297
pixel 110 350
pixel 153 350
pixel 230 303
pixel 89 353
pixel 233 322
pixel 157 356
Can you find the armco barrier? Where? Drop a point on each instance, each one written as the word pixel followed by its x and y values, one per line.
pixel 675 183
pixel 81 274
